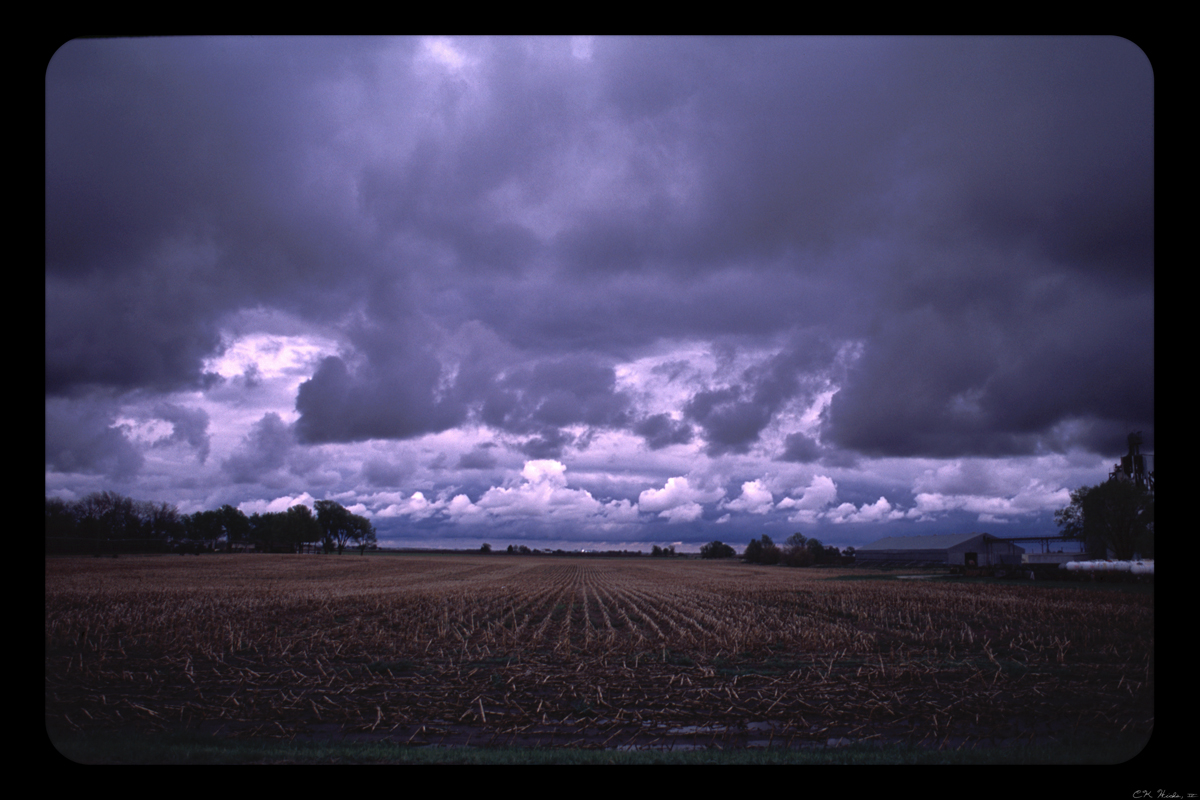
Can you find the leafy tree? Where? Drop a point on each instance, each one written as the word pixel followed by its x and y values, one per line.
pixel 160 521
pixel 286 530
pixel 797 539
pixel 340 527
pixel 753 551
pixel 798 557
pixel 485 548
pixel 108 515
pixel 796 552
pixel 107 518
pixel 1116 516
pixel 203 526
pixel 817 549
pixel 334 520
pixel 226 524
pixel 366 534
pixel 267 529
pixel 110 521
pixel 235 525
pixel 302 527
pixel 762 551
pixel 717 549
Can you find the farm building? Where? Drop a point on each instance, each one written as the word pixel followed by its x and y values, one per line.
pixel 959 549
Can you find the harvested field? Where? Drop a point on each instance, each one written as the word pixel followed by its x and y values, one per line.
pixel 549 651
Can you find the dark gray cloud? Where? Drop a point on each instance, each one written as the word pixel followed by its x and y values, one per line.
pixel 480 457
pixel 800 448
pixel 660 431
pixel 733 417
pixel 556 393
pixel 540 400
pixel 955 234
pixel 175 193
pixel 84 437
pixel 985 382
pixel 549 444
pixel 730 418
pixel 381 472
pixel 129 334
pixel 188 425
pixel 263 451
pixel 379 401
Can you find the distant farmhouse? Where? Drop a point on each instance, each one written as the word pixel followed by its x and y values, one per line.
pixel 957 549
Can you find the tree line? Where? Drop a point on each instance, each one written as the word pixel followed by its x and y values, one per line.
pixel 109 523
pixel 798 551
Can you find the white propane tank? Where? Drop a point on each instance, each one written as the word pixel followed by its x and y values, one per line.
pixel 1136 567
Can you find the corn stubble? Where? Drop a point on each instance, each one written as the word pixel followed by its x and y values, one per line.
pixel 585 653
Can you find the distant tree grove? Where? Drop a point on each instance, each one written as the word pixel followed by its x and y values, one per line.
pixel 717 549
pixel 107 523
pixel 798 551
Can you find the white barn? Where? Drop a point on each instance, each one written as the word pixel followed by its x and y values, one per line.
pixel 960 549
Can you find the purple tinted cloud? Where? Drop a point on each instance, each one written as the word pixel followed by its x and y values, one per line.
pixel 890 247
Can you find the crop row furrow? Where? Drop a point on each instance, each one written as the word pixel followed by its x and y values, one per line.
pixel 675 619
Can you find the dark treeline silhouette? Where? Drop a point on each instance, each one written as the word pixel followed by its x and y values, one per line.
pixel 525 550
pixel 717 549
pixel 798 551
pixel 107 523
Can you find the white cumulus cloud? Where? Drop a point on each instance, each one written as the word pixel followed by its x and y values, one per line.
pixel 417 507
pixel 755 498
pixel 879 511
pixel 688 512
pixel 544 494
pixel 820 493
pixel 676 492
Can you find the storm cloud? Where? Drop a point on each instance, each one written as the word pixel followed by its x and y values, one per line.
pixel 773 262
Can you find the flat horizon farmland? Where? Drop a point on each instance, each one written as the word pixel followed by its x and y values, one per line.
pixel 546 651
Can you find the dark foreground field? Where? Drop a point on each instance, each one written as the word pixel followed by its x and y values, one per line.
pixel 606 655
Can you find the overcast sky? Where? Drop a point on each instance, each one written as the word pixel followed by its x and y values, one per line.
pixel 601 292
